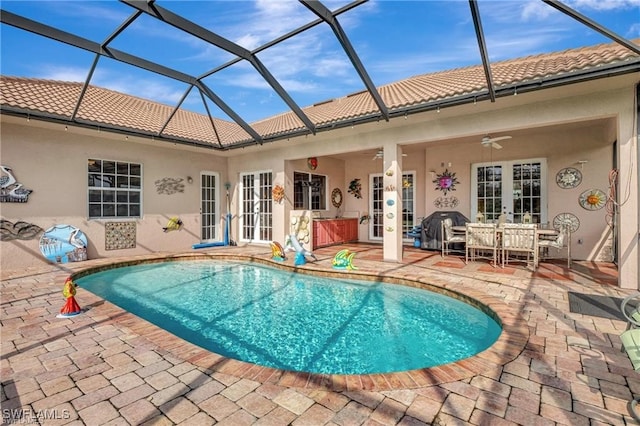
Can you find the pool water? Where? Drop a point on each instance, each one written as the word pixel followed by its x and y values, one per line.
pixel 298 322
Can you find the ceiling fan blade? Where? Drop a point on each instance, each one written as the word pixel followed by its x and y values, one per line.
pixel 496 145
pixel 499 138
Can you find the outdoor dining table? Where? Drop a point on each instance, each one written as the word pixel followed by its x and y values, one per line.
pixel 540 232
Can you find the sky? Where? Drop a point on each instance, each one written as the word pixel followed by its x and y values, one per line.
pixel 393 39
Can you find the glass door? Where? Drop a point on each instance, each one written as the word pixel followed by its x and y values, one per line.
pixel 376 223
pixel 515 188
pixel 256 207
pixel 209 206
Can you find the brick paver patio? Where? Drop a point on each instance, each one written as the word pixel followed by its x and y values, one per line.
pixel 107 366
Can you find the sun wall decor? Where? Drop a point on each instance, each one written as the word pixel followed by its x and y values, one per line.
pixel 592 199
pixel 566 221
pixel 446 181
pixel 568 177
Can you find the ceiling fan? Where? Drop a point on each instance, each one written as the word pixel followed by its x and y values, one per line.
pixel 380 154
pixel 493 142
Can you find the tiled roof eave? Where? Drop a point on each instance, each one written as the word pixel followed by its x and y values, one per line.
pixel 35 113
pixel 65 120
pixel 626 66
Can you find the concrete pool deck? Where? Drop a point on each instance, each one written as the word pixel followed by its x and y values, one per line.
pixel 106 366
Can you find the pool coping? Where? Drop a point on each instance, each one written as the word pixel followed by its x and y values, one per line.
pixel 510 343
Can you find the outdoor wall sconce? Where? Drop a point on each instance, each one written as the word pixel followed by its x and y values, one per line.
pixel 189 179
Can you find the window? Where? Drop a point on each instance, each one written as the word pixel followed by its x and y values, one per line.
pixel 115 189
pixel 511 187
pixel 309 191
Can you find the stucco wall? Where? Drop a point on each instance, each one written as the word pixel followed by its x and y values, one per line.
pixel 53 163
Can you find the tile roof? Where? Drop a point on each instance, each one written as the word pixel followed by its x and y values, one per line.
pixel 107 108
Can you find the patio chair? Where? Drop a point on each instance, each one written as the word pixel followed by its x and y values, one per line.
pixel 630 308
pixel 631 341
pixel 557 243
pixel 449 236
pixel 519 238
pixel 481 238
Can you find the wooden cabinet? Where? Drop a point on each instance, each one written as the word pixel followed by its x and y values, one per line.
pixel 329 232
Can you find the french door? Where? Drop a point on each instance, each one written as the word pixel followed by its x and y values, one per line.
pixel 256 207
pixel 209 206
pixel 514 188
pixel 376 204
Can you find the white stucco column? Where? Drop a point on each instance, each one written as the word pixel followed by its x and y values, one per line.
pixel 392 198
pixel 628 188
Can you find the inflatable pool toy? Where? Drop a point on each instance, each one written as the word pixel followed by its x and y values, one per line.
pixel 71 307
pixel 173 225
pixel 343 260
pixel 277 252
pixel 301 252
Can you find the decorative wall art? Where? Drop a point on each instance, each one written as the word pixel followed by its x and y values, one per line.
pixel 389 172
pixel 18 231
pixel 312 163
pixel 63 244
pixel 446 181
pixel 300 229
pixel 355 188
pixel 446 202
pixel 406 183
pixel 174 224
pixel 566 220
pixel 277 193
pixel 12 191
pixel 169 186
pixel 568 177
pixel 119 235
pixel 592 199
pixel 336 198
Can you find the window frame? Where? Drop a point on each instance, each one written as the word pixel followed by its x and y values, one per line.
pixel 309 201
pixel 256 225
pixel 115 190
pixel 507 189
pixel 376 205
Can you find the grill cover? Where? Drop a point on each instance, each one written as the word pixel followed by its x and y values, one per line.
pixel 432 229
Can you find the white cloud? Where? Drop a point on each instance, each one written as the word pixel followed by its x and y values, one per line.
pixel 535 10
pixel 604 4
pixel 62 73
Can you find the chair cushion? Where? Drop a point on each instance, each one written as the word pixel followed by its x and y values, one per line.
pixel 631 343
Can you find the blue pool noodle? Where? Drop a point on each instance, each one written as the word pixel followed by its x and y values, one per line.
pixel 224 242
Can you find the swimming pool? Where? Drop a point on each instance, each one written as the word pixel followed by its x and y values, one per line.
pixel 298 322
